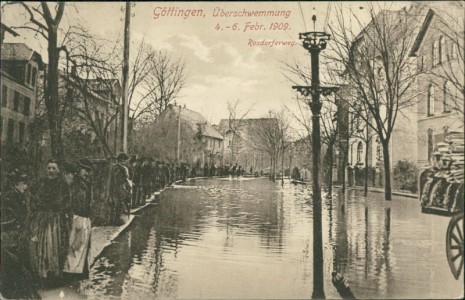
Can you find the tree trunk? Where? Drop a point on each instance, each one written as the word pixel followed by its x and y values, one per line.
pixel 387 171
pixel 282 168
pixel 365 191
pixel 330 171
pixel 51 96
pixel 272 168
pixel 232 149
pixel 344 165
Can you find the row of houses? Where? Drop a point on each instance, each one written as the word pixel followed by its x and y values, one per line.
pixel 182 135
pixel 179 134
pixel 90 106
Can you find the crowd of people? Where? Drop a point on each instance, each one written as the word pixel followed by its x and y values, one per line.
pixel 47 221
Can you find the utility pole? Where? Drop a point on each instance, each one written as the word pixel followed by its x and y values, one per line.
pixel 125 104
pixel 315 42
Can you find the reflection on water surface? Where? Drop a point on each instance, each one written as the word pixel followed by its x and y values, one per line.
pixel 253 239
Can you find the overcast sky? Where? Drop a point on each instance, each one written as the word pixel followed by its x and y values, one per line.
pixel 222 64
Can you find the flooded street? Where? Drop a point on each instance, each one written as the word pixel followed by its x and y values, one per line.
pixel 250 238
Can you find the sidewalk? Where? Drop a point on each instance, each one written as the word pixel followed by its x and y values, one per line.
pixel 380 190
pixel 102 236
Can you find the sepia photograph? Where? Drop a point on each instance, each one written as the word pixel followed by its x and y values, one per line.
pixel 232 150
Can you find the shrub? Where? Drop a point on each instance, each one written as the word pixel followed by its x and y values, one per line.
pixel 405 175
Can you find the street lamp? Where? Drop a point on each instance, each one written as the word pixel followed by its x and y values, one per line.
pixel 315 42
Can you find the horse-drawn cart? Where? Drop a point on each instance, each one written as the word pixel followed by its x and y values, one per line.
pixel 441 192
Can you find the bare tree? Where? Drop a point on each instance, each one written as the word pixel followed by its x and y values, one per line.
pixel 236 115
pixel 92 87
pixel 285 137
pixel 303 116
pixel 268 136
pixel 164 78
pixel 272 135
pixel 329 134
pixel 138 75
pixel 361 131
pixel 46 24
pixel 377 64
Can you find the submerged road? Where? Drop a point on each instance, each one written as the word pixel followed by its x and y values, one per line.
pixel 251 238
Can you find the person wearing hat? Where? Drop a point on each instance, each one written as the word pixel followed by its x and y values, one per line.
pixel 122 157
pixel 77 261
pixel 121 189
pixel 45 232
pixel 15 204
pixel 70 170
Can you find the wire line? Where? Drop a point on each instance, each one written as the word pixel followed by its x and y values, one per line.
pixel 302 14
pixel 327 17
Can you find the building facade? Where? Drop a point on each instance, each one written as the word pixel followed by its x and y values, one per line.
pixel 179 135
pixel 241 145
pixel 20 67
pixel 439 50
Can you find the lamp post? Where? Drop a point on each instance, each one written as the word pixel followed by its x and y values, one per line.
pixel 315 42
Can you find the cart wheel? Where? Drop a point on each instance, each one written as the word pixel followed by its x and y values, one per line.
pixel 454 245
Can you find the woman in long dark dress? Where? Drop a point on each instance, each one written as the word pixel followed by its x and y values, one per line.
pixel 46 229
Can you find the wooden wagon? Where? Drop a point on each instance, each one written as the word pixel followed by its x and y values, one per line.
pixel 441 192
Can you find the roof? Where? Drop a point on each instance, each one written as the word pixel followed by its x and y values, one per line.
pixel 19 52
pixel 8 29
pixel 210 131
pixel 421 34
pixel 224 123
pixel 16 51
pixel 89 91
pixel 444 10
pixel 378 18
pixel 191 116
pixel 100 84
pixel 194 118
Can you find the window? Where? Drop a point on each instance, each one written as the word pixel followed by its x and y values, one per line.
pixel 4 96
pixel 350 121
pixel 10 132
pixel 27 105
pixel 21 132
pixel 447 97
pixel 435 53
pixel 442 49
pixel 102 120
pixel 34 76
pixel 430 144
pixel 359 152
pixel 422 63
pixel 430 101
pixel 16 100
pixel 20 73
pixel 453 48
pixel 28 73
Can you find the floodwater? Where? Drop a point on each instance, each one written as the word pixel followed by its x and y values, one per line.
pixel 251 238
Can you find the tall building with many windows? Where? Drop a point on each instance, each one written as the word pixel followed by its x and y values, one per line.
pixel 439 49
